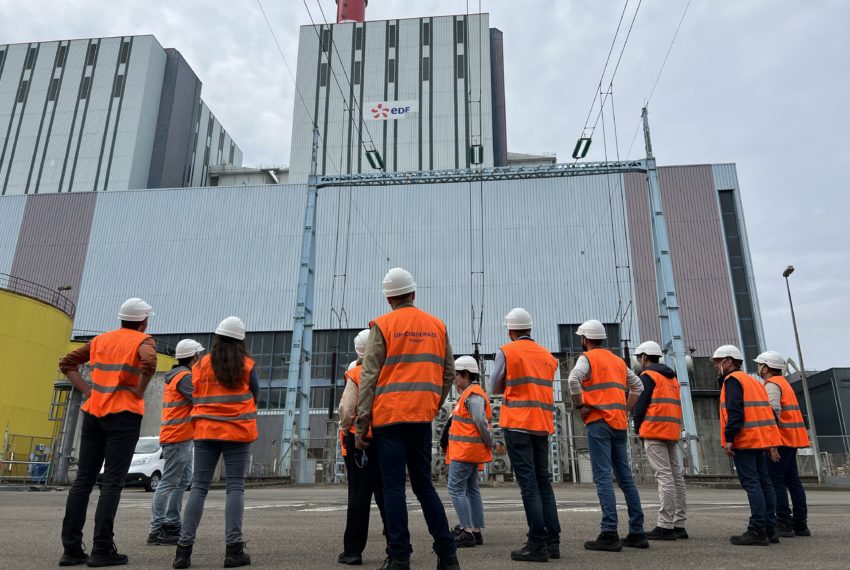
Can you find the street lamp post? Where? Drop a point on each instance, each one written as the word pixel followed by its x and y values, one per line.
pixel 788 271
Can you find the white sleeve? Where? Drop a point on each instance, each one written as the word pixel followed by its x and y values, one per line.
pixel 578 374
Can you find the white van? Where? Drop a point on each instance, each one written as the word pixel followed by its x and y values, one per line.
pixel 147 464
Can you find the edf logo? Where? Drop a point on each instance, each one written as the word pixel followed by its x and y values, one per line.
pixel 389 110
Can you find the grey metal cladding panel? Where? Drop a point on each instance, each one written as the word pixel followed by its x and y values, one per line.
pixel 15 55
pixel 197 255
pixel 725 176
pixel 643 259
pixel 11 214
pixel 302 118
pixel 53 240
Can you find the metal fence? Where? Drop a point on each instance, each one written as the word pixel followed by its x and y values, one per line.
pixel 53 297
pixel 25 459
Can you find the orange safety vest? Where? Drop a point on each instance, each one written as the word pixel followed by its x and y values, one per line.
pixel 219 412
pixel 529 401
pixel 410 385
pixel 465 442
pixel 176 419
pixel 663 419
pixel 342 443
pixel 604 390
pixel 116 372
pixel 354 376
pixel 760 430
pixel 792 429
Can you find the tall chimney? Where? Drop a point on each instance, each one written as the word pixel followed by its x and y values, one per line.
pixel 351 10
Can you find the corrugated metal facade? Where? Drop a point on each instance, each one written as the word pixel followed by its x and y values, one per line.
pixel 700 263
pixel 11 214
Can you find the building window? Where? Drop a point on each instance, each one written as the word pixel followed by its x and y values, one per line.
pixel 91 55
pixel 61 56
pixel 461 28
pixel 391 71
pixel 85 87
pixel 213 180
pixel 210 125
pixel 125 52
pixel 118 87
pixel 232 151
pixel 426 34
pixel 393 33
pixel 326 39
pixel 571 343
pixel 426 69
pixel 323 75
pixel 53 92
pixel 358 38
pixel 30 61
pixel 22 91
pixel 461 66
pixel 358 72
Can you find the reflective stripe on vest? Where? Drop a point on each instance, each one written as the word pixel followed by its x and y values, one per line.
pixel 792 429
pixel 176 418
pixel 410 384
pixel 116 372
pixel 604 390
pixel 221 413
pixel 465 441
pixel 529 401
pixel 663 419
pixel 759 430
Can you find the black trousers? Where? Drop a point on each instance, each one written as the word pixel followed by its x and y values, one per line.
pixel 112 439
pixel 363 482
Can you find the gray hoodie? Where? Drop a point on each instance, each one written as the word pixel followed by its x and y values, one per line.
pixel 184 386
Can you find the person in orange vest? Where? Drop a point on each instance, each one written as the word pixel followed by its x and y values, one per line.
pixel 122 364
pixel 658 422
pixel 175 436
pixel 747 431
pixel 224 417
pixel 604 390
pixel 469 447
pixel 361 466
pixel 408 370
pixel 525 371
pixel 792 431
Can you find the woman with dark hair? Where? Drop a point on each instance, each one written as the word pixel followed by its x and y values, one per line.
pixel 224 415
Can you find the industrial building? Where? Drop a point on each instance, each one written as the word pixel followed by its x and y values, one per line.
pixel 99 114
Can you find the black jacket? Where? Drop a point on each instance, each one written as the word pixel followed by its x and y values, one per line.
pixel 639 411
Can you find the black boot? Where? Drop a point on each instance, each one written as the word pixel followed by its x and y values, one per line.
pixel 464 539
pixel 531 553
pixel 479 539
pixel 448 563
pixel 607 541
pixel 772 535
pixel 659 533
pixel 236 556
pixel 349 559
pixel 785 529
pixel 395 564
pixel 802 529
pixel 183 558
pixel 106 557
pixel 163 535
pixel 636 540
pixel 554 550
pixel 74 557
pixel 750 538
pixel 681 533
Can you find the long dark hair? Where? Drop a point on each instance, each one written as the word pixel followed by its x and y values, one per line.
pixel 228 360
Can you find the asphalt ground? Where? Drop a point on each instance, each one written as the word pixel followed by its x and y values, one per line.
pixel 301 527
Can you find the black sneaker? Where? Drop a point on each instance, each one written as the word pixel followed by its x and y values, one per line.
pixel 772 535
pixel 659 533
pixel 110 557
pixel 395 564
pixel 465 539
pixel 681 533
pixel 163 536
pixel 74 558
pixel 456 530
pixel 479 540
pixel 785 530
pixel 802 530
pixel 554 550
pixel 636 540
pixel 236 556
pixel 183 556
pixel 606 541
pixel 531 553
pixel 350 559
pixel 448 563
pixel 750 538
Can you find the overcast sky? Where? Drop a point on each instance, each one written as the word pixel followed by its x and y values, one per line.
pixel 764 84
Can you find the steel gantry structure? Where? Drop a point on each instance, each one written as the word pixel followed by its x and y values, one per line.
pixel 298 386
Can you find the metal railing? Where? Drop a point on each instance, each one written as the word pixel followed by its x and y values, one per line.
pixel 52 297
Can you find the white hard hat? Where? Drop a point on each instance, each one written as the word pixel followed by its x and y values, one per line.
pixel 649 348
pixel 360 342
pixel 187 348
pixel 727 350
pixel 134 310
pixel 592 329
pixel 351 365
pixel 771 359
pixel 398 282
pixel 518 320
pixel 467 363
pixel 232 327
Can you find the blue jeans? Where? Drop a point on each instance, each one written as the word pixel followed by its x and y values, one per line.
pixel 207 452
pixel 409 445
pixel 463 490
pixel 609 455
pixel 176 476
pixel 786 479
pixel 529 455
pixel 751 465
